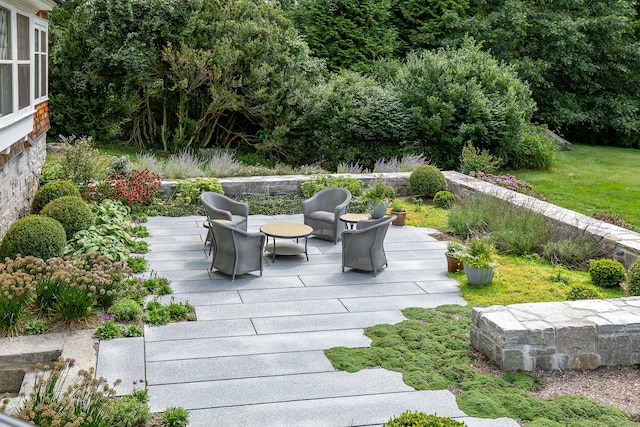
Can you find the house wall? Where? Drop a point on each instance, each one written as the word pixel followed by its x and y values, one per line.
pixel 20 171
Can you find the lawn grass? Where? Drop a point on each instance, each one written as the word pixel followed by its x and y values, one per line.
pixel 522 280
pixel 592 179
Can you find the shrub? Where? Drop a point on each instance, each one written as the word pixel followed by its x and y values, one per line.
pixel 133 331
pixel 128 412
pixel 473 159
pixel 444 199
pixel 175 416
pixel 607 273
pixel 312 186
pixel 537 150
pixel 222 163
pixel 51 191
pixel 633 278
pixel 72 212
pixel 157 314
pixel 572 251
pixel 179 310
pixel 137 264
pixel 578 292
pixel 108 329
pixel 427 180
pixel 82 163
pixel 126 309
pixel 188 192
pixel 420 419
pixel 37 235
pixel 150 162
pixel 136 188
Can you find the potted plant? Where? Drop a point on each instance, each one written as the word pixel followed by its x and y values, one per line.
pixel 377 197
pixel 479 261
pixel 455 250
pixel 399 211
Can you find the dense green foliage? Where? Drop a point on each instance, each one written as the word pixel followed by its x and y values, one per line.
pixel 188 191
pixel 581 58
pixel 315 184
pixel 351 119
pixel 444 199
pixel 420 419
pixel 187 74
pixel 580 291
pixel 37 235
pixel 71 211
pixel 427 180
pixel 50 191
pixel 348 34
pixel 607 272
pixel 633 278
pixel 461 95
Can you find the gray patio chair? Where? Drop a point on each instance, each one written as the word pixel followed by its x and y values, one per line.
pixel 236 251
pixel 322 212
pixel 219 206
pixel 363 247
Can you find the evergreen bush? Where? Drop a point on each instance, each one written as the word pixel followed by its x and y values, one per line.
pixel 427 180
pixel 633 278
pixel 607 273
pixel 51 191
pixel 320 182
pixel 444 199
pixel 37 235
pixel 72 212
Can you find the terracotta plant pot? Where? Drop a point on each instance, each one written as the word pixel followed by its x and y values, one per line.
pixel 401 218
pixel 453 264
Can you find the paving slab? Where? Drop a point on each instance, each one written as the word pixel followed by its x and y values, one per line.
pixel 401 302
pixel 123 359
pixel 224 368
pixel 200 329
pixel 252 391
pixel 325 322
pixel 221 283
pixel 203 298
pixel 268 309
pixel 386 276
pixel 367 410
pixel 258 344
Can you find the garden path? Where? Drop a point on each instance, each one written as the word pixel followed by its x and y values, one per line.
pixel 255 354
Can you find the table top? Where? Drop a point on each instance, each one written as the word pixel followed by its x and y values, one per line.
pixel 207 222
pixel 286 229
pixel 353 217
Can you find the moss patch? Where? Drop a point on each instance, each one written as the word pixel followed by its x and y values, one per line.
pixel 431 349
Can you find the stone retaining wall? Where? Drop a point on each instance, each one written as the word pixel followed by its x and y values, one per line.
pixel 559 335
pixel 19 182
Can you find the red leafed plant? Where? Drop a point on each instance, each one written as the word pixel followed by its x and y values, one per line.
pixel 136 188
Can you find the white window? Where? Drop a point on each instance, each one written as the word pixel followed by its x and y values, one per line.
pixel 6 63
pixel 40 67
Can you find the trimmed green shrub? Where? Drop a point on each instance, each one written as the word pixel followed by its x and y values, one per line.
pixel 51 191
pixel 427 180
pixel 72 212
pixel 37 235
pixel 633 278
pixel 578 292
pixel 607 273
pixel 420 419
pixel 312 186
pixel 444 199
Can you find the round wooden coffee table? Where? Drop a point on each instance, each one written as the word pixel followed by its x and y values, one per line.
pixel 350 219
pixel 286 230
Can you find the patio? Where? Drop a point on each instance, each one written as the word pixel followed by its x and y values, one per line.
pixel 255 354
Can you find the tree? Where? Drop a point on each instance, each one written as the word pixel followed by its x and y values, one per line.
pixel 581 58
pixel 348 34
pixel 461 95
pixel 178 75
